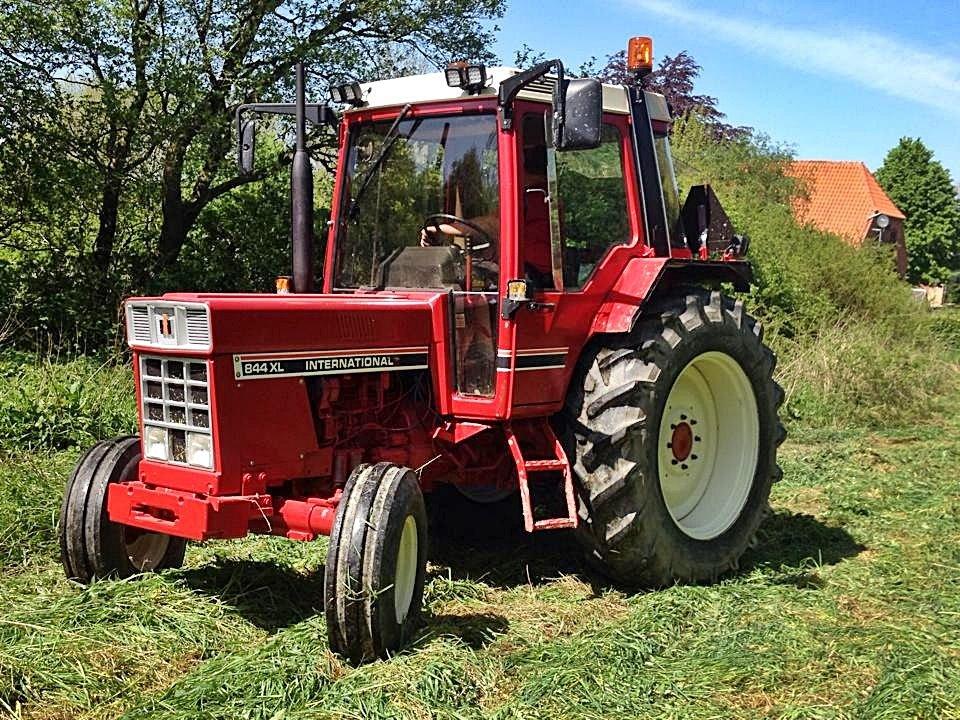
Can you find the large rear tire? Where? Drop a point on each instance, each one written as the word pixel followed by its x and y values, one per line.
pixel 673 432
pixel 376 563
pixel 91 546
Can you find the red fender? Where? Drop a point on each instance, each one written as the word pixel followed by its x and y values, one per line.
pixel 642 278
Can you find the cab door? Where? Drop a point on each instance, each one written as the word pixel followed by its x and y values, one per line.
pixel 577 222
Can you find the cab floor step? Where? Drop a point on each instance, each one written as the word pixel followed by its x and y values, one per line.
pixel 559 463
pixel 544 465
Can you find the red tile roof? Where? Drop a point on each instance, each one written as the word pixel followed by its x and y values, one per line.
pixel 841 197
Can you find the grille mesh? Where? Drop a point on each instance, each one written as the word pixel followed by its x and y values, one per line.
pixel 176 398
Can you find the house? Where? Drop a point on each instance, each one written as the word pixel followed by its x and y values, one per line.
pixel 845 199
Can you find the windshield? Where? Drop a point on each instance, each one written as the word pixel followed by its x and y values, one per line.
pixel 444 164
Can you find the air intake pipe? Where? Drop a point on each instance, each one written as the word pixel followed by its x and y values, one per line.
pixel 301 197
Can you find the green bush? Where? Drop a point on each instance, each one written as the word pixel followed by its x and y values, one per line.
pixel 55 405
pixel 945 324
pixel 853 347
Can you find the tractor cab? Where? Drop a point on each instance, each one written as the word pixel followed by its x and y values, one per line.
pixel 449 183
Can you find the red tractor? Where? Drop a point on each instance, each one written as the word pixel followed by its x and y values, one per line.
pixel 513 302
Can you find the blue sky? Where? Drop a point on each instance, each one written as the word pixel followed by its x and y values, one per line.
pixel 834 80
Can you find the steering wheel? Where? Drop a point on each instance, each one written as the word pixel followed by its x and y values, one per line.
pixel 431 229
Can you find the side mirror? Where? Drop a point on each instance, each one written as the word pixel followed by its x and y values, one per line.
pixel 579 121
pixel 248 146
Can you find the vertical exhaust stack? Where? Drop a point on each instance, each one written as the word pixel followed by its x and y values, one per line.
pixel 301 196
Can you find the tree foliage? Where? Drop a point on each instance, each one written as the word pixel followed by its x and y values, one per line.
pixel 116 116
pixel 674 78
pixel 921 187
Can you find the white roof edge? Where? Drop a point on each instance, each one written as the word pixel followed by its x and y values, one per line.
pixel 432 87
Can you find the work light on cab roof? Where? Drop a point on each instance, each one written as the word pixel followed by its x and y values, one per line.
pixel 471 78
pixel 347 94
pixel 514 305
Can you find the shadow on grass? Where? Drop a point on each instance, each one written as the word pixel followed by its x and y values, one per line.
pixel 789 540
pixel 476 630
pixel 488 543
pixel 268 594
pixel 273 596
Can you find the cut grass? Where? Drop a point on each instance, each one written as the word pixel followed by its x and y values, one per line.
pixel 848 607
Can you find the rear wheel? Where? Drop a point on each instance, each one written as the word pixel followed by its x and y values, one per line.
pixel 91 546
pixel 673 430
pixel 376 563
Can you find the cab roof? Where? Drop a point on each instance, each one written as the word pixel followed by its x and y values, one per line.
pixel 433 87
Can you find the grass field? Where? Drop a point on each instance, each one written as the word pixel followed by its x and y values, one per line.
pixel 849 607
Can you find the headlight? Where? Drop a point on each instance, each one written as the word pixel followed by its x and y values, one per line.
pixel 199 450
pixel 155 443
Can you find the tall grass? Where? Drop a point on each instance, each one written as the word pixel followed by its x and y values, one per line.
pixel 46 403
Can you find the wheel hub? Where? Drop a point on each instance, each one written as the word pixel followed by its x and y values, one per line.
pixel 406 573
pixel 681 441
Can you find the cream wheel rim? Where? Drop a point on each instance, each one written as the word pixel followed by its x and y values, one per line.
pixel 145 550
pixel 406 573
pixel 708 445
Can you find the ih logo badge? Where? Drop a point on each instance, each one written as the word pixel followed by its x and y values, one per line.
pixel 165 326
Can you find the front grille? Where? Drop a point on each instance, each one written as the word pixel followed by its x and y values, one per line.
pixel 168 325
pixel 176 401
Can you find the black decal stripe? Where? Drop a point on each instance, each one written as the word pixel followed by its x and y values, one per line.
pixel 545 361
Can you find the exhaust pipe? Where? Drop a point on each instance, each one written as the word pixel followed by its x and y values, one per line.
pixel 301 197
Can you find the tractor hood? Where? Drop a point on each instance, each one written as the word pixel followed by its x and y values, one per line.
pixel 209 324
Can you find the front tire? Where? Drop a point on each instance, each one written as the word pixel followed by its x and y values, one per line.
pixel 673 430
pixel 376 563
pixel 91 546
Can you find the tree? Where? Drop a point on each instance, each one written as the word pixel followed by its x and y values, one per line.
pixel 921 187
pixel 116 116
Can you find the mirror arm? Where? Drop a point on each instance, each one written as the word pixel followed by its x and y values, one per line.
pixel 509 88
pixel 315 114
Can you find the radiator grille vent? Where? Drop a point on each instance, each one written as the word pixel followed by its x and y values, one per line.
pixel 168 325
pixel 542 85
pixel 140 323
pixel 175 408
pixel 198 329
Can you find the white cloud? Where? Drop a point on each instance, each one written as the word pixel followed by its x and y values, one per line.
pixel 870 59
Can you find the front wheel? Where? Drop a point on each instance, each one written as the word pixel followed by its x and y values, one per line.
pixel 674 432
pixel 91 546
pixel 376 563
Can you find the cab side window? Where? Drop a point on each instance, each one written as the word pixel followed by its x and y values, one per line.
pixel 592 205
